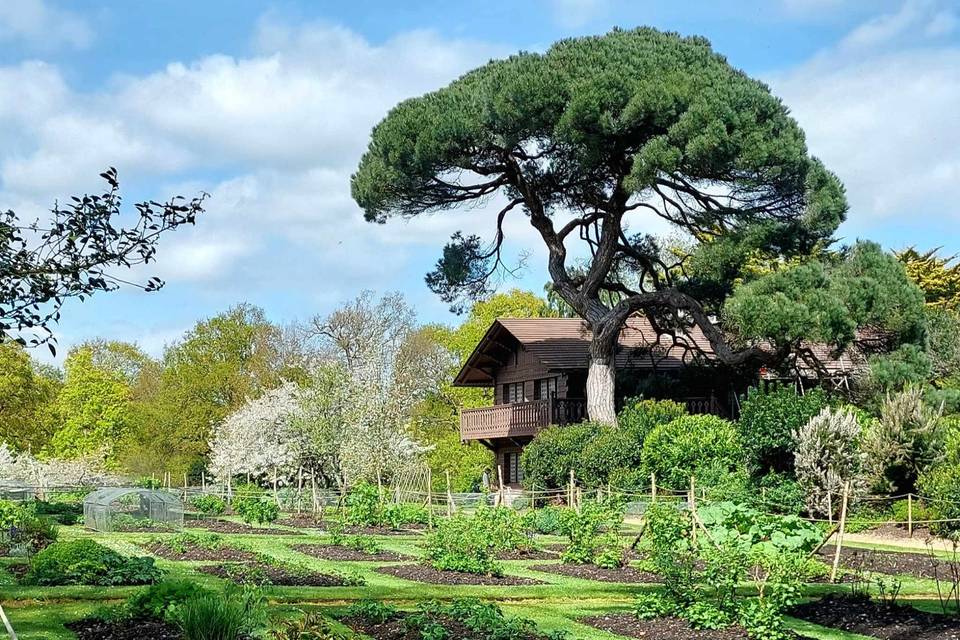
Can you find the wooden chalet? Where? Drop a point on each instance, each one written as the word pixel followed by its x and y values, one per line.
pixel 537 368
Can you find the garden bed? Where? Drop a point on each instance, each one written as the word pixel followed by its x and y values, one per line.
pixel 227 526
pixel 878 619
pixel 135 629
pixel 300 522
pixel 194 552
pixel 625 624
pixel 408 529
pixel 267 574
pixel 627 575
pixel 334 552
pixel 397 629
pixel 893 563
pixel 530 554
pixel 426 573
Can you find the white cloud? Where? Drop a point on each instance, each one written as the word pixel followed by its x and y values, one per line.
pixel 884 120
pixel 42 26
pixel 281 129
pixel 915 19
pixel 576 13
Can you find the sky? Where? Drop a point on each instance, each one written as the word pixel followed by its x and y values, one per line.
pixel 268 106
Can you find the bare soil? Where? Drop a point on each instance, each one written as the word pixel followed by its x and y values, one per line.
pixel 273 575
pixel 136 629
pixel 893 563
pixel 426 573
pixel 333 552
pixel 877 619
pixel 227 526
pixel 193 552
pixel 300 522
pixel 408 529
pixel 625 624
pixel 628 575
pixel 529 554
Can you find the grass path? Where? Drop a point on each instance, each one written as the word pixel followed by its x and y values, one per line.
pixel 40 612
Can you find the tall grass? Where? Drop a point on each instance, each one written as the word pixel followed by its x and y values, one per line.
pixel 235 614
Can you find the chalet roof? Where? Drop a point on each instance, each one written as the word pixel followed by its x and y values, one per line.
pixel 564 344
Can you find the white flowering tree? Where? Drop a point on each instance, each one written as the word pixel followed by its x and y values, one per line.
pixel 258 439
pixel 380 365
pixel 42 475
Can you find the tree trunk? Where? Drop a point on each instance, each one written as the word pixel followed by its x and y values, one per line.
pixel 601 403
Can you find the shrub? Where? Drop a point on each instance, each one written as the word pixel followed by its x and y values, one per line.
pixel 639 417
pixel 162 601
pixel 87 562
pixel 230 616
pixel 697 445
pixel 827 457
pixel 363 505
pixel 546 520
pixel 397 515
pixel 65 513
pixel 470 543
pixel 548 459
pixel 594 535
pixel 904 441
pixel 210 505
pixel 768 420
pixel 257 511
pixel 33 532
pixel 940 486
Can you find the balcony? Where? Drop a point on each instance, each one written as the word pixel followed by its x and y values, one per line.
pixel 519 419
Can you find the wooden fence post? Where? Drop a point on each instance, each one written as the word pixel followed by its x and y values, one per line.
pixel 910 514
pixel 840 531
pixel 653 487
pixel 570 489
pixel 203 481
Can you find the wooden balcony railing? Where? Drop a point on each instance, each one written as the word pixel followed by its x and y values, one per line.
pixel 519 419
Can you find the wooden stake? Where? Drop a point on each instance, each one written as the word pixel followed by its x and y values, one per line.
pixel 449 494
pixel 6 623
pixel 653 487
pixel 313 492
pixel 429 498
pixel 203 481
pixel 910 514
pixel 840 531
pixel 693 509
pixel 572 485
pixel 579 498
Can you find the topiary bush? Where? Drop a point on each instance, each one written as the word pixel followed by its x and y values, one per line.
pixel 768 420
pixel 87 562
pixel 698 445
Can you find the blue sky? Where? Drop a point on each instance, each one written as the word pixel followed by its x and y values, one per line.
pixel 268 105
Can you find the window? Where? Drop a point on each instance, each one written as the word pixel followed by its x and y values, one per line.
pixel 512 472
pixel 545 389
pixel 513 392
